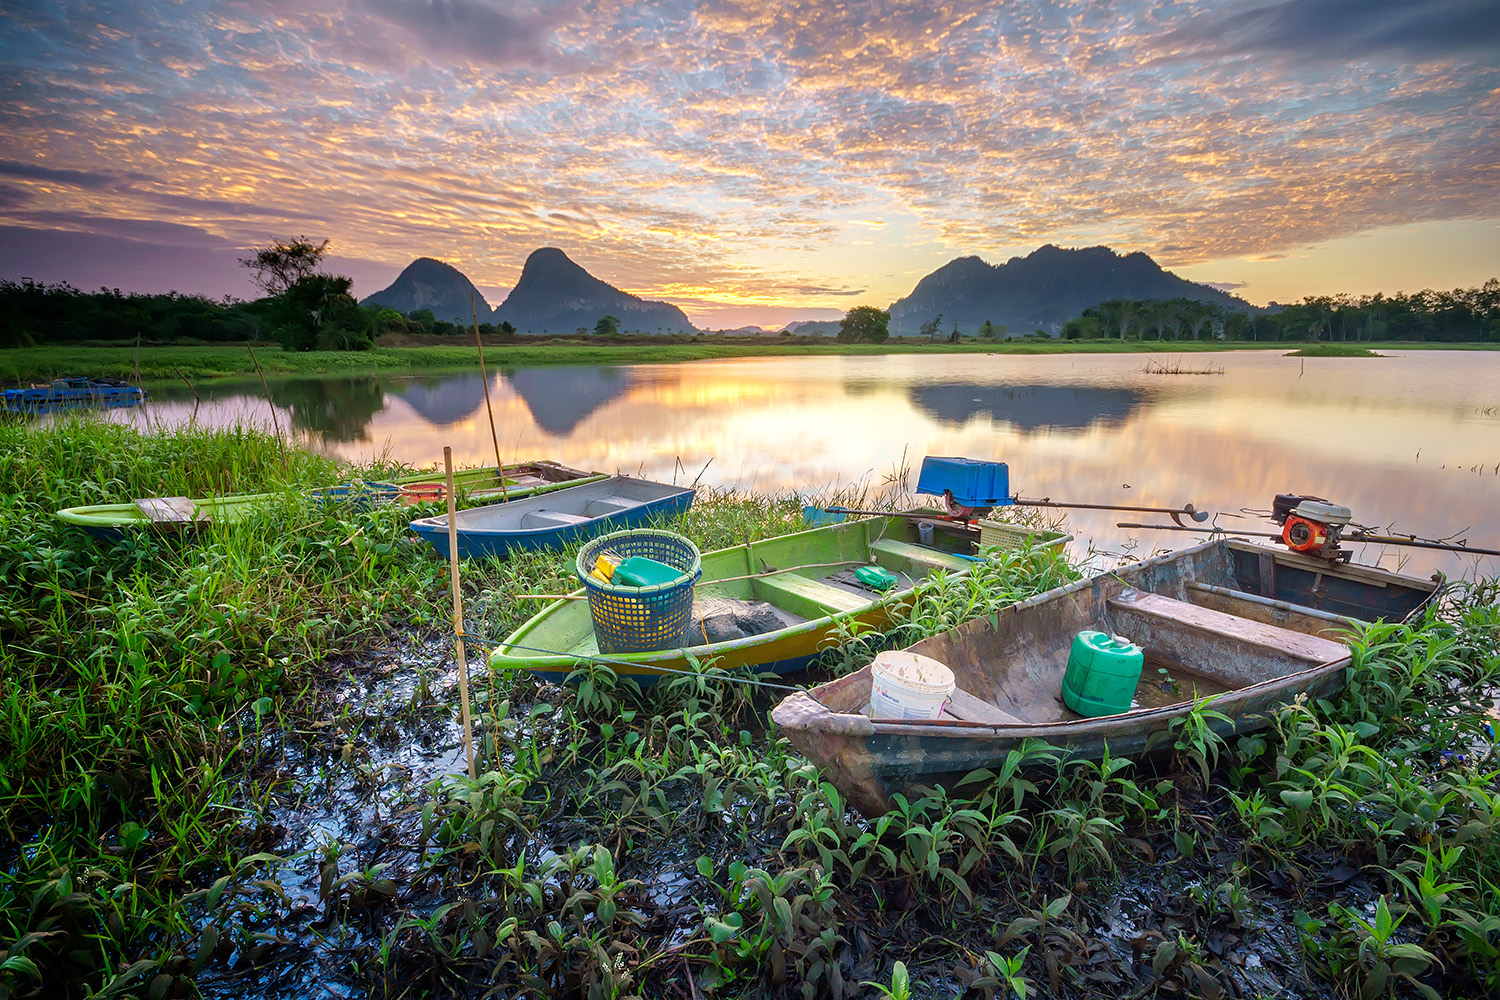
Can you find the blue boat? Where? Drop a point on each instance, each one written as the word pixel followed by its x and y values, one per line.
pixel 71 393
pixel 550 521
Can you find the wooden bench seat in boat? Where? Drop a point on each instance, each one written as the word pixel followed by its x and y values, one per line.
pixel 967 708
pixel 550 519
pixel 920 559
pixel 1136 610
pixel 802 595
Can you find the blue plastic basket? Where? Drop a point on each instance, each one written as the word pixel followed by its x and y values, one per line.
pixel 640 619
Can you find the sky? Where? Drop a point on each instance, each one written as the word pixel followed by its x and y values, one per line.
pixel 751 162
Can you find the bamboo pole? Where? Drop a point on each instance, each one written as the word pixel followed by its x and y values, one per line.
pixel 499 465
pixel 458 613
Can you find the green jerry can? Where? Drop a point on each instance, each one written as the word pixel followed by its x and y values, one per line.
pixel 1103 672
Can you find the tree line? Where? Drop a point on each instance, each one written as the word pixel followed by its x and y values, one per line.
pixel 1464 315
pixel 303 309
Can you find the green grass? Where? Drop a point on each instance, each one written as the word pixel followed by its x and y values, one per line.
pixel 201 363
pixel 165 708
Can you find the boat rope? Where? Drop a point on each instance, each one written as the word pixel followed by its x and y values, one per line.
pixel 611 661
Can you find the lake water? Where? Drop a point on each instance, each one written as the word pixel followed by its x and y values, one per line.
pixel 1410 442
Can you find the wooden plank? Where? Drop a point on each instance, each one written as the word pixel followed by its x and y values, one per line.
pixel 968 708
pixel 1298 644
pixel 171 512
pixel 920 555
pixel 822 594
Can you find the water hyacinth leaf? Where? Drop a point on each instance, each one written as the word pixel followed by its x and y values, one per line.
pixel 1300 799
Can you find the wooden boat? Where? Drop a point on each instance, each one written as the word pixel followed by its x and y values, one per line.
pixel 574 514
pixel 796 588
pixel 114 521
pixel 1247 625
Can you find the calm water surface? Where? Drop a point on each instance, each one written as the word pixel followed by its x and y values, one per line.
pixel 1410 442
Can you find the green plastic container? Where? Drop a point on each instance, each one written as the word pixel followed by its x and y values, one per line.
pixel 876 577
pixel 642 571
pixel 1103 672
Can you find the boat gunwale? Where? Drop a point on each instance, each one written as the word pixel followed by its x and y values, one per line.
pixel 648 658
pixel 126 516
pixel 1090 725
pixel 437 523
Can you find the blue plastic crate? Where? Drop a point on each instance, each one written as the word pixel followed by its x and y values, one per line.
pixel 973 483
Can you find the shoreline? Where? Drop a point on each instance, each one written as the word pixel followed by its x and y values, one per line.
pixel 203 363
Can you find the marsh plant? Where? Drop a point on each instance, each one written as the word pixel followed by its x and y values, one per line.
pixel 192 800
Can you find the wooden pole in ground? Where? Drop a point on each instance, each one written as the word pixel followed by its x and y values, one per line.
pixel 499 465
pixel 458 613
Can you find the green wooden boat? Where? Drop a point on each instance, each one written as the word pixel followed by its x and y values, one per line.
pixel 771 605
pixel 114 521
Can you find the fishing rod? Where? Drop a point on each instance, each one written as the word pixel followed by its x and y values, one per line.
pixel 1187 509
pixel 1358 536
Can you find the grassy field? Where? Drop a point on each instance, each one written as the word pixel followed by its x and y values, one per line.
pixel 230 767
pixel 200 363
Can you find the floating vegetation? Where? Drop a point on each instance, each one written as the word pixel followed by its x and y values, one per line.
pixel 234 768
pixel 1155 367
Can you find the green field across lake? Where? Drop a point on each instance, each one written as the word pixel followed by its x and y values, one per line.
pixel 230 361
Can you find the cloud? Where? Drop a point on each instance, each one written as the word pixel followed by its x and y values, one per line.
pixel 747 153
pixel 79 178
pixel 815 290
pixel 1225 286
pixel 473 30
pixel 1341 29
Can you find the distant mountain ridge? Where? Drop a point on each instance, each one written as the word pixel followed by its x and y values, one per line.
pixel 432 284
pixel 1042 290
pixel 555 295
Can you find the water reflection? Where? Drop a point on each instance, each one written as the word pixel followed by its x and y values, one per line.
pixel 561 398
pixel 334 410
pixel 443 399
pixel 1408 442
pixel 1029 407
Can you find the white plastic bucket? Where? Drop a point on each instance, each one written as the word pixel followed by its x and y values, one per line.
pixel 908 686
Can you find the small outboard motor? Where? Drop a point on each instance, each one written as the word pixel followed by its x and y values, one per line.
pixel 1311 525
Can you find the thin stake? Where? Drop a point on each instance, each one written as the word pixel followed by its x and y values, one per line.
pixel 189 384
pixel 285 460
pixel 458 613
pixel 499 465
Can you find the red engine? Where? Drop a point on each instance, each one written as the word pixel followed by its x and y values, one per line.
pixel 1311 525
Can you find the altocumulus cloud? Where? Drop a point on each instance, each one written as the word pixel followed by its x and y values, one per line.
pixel 1340 29
pixel 482 34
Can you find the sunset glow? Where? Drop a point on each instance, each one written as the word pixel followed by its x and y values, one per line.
pixel 754 163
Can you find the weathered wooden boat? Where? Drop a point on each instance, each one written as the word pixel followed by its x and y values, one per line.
pixel 114 521
pixel 574 514
pixel 1246 625
pixel 771 605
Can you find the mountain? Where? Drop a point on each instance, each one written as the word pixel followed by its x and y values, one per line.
pixel 555 295
pixel 431 284
pixel 1042 290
